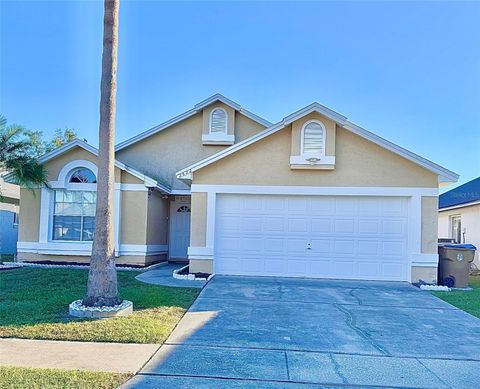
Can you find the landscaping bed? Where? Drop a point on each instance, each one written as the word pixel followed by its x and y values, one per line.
pixel 34 305
pixel 22 377
pixel 467 300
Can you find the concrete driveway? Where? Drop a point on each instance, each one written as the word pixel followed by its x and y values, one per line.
pixel 255 332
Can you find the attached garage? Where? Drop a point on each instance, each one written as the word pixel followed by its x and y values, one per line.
pixel 349 237
pixel 315 196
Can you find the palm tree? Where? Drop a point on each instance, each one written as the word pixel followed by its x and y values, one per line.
pixel 15 157
pixel 102 277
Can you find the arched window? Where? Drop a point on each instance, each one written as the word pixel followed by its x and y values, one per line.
pixel 313 138
pixel 83 176
pixel 218 121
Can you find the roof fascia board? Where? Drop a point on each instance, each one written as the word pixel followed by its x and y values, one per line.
pixel 464 205
pixel 185 115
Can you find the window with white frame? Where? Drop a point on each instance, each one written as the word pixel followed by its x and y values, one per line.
pixel 74 215
pixel 456 225
pixel 218 121
pixel 313 138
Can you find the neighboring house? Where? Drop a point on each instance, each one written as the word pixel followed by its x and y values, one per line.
pixel 459 215
pixel 313 195
pixel 9 208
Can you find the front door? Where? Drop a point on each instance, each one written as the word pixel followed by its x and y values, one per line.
pixel 179 230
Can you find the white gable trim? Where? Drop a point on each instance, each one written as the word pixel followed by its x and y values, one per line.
pixel 464 205
pixel 148 181
pixel 445 175
pixel 185 115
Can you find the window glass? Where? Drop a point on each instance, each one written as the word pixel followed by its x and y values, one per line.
pixel 74 215
pixel 83 175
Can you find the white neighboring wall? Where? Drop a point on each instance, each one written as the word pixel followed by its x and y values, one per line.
pixel 470 216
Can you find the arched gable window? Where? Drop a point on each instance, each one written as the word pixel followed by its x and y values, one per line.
pixel 218 121
pixel 83 176
pixel 313 138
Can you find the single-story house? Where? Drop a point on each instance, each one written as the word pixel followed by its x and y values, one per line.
pixel 459 215
pixel 313 195
pixel 9 211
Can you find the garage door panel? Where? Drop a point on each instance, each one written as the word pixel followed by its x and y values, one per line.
pixel 312 236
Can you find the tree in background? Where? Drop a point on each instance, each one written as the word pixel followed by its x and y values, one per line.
pixel 16 157
pixel 38 146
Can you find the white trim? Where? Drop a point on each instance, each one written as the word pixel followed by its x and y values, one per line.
pixel 302 139
pixel 132 187
pixel 85 248
pixel 46 200
pixel 424 260
pixel 218 138
pixel 205 253
pixel 142 249
pixel 315 190
pixel 185 115
pixel 445 175
pixel 67 169
pixel 185 192
pixel 459 206
pixel 302 160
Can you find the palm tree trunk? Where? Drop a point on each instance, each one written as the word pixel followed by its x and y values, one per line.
pixel 102 276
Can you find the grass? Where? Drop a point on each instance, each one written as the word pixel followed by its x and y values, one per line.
pixel 34 305
pixel 23 378
pixel 467 300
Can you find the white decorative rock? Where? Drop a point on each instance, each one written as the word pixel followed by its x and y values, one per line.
pixel 77 309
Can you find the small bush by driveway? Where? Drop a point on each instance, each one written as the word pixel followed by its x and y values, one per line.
pixel 34 305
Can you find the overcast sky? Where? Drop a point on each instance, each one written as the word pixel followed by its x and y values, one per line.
pixel 409 72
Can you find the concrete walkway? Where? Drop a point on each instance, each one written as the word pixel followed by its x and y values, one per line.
pixel 163 275
pixel 110 357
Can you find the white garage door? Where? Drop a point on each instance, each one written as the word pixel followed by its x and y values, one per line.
pixel 312 236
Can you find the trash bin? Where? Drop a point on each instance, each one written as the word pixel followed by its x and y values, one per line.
pixel 454 264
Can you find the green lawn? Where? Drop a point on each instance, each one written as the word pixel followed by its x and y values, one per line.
pixel 28 378
pixel 34 305
pixel 467 300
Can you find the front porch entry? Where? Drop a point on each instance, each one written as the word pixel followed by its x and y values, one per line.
pixel 179 228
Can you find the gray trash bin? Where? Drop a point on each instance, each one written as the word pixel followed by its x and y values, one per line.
pixel 454 264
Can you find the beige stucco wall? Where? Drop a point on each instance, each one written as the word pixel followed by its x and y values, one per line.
pixel 427 274
pixel 133 228
pixel 358 163
pixel 330 126
pixel 170 150
pixel 28 228
pixel 429 225
pixel 54 166
pixel 157 219
pixel 199 220
pixel 470 222
pixel 201 266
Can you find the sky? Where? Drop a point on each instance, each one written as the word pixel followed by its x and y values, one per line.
pixel 407 71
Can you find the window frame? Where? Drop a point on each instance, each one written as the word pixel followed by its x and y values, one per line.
pixel 302 139
pixel 453 220
pixel 210 120
pixel 53 214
